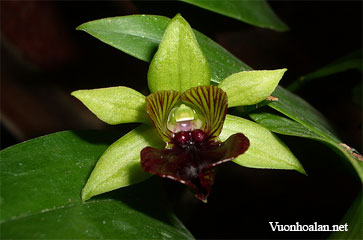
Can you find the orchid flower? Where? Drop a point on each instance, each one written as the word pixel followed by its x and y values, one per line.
pixel 189 133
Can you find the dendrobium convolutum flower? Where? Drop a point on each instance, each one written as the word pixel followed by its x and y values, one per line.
pixel 185 131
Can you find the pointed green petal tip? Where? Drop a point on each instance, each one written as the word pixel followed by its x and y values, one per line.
pixel 265 151
pixel 251 87
pixel 79 28
pixel 114 105
pixel 179 63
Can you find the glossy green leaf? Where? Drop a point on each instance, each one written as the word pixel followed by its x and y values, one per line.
pixel 114 105
pixel 301 111
pixel 140 36
pixel 158 107
pixel 41 181
pixel 348 62
pixel 250 87
pixel 137 35
pixel 283 125
pixel 179 64
pixel 221 62
pixel 119 166
pixel 257 13
pixel 265 151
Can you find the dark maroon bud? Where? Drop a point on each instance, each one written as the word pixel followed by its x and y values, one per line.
pixel 198 135
pixel 182 137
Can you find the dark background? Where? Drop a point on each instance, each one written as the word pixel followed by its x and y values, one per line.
pixel 43 59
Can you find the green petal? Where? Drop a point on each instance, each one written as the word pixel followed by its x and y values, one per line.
pixel 158 107
pixel 179 64
pixel 250 87
pixel 265 151
pixel 114 105
pixel 212 102
pixel 119 166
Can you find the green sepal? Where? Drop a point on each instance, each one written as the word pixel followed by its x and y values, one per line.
pixel 250 87
pixel 179 63
pixel 140 36
pixel 114 105
pixel 119 166
pixel 265 151
pixel 158 107
pixel 212 102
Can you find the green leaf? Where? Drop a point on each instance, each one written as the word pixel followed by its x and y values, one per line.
pixel 250 87
pixel 119 166
pixel 283 125
pixel 221 62
pixel 348 62
pixel 114 105
pixel 41 181
pixel 136 35
pixel 301 111
pixel 265 151
pixel 257 13
pixel 353 219
pixel 179 63
pixel 140 36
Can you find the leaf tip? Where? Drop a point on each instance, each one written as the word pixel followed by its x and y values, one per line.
pixel 283 28
pixel 301 170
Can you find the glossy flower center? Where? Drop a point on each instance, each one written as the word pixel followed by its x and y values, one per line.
pixel 183 119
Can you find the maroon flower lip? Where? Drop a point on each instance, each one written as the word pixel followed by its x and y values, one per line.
pixel 190 157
